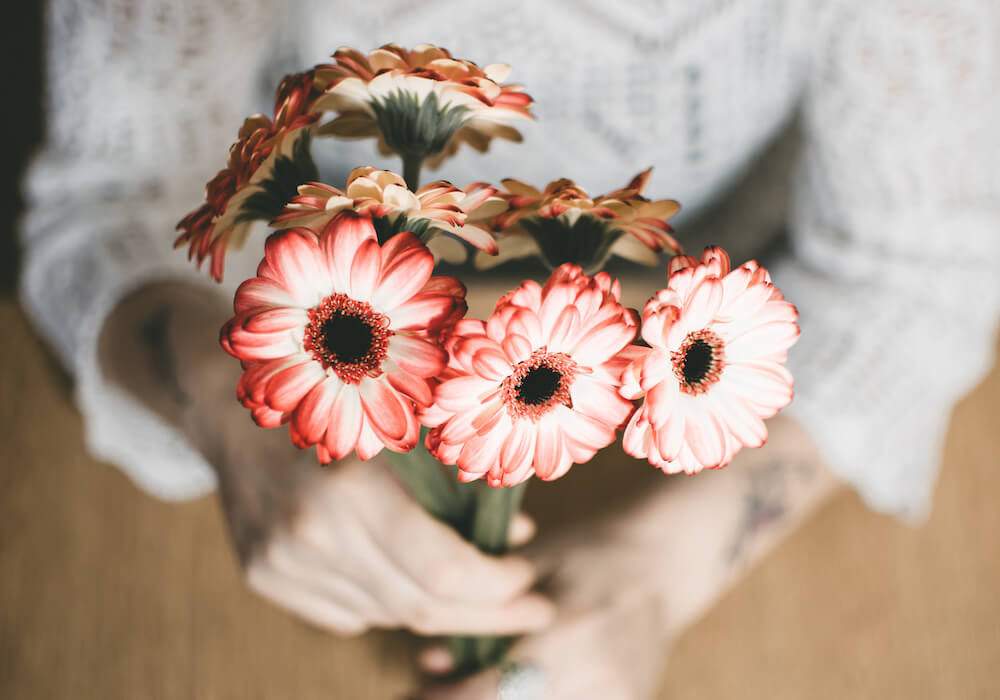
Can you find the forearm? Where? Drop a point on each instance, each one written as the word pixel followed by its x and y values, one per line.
pixel 160 344
pixel 702 532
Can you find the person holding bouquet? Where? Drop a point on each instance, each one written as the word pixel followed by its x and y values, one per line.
pixel 892 220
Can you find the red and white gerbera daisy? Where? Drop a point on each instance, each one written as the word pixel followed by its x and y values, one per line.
pixel 715 367
pixel 335 336
pixel 534 389
pixel 229 210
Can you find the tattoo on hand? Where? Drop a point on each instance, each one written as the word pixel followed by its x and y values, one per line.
pixel 765 501
pixel 154 336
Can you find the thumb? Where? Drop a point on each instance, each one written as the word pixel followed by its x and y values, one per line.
pixel 522 530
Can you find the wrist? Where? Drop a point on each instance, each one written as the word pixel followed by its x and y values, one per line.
pixel 160 345
pixel 701 532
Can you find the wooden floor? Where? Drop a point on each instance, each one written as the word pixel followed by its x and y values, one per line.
pixel 106 593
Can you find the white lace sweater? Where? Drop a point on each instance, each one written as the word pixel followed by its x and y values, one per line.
pixel 893 204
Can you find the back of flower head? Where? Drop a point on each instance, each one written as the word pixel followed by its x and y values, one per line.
pixel 421 104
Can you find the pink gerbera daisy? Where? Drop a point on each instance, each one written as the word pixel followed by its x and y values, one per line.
pixel 534 389
pixel 335 334
pixel 715 367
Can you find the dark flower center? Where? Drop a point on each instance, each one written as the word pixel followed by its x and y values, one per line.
pixel 699 361
pixel 347 336
pixel 539 385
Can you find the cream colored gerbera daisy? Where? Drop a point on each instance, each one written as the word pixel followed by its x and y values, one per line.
pixel 563 224
pixel 436 208
pixel 422 103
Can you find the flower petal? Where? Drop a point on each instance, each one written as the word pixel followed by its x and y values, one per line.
pixel 519 449
pixel 425 310
pixel 409 384
pixel 260 293
pixel 458 393
pixel 638 435
pixel 342 237
pixel 344 427
pixel 312 416
pixel 391 419
pixel 761 341
pixel 491 364
pixel 552 460
pixel 289 386
pixel 292 259
pixel 365 269
pixel 704 434
pixel 416 355
pixel 702 305
pixel 276 319
pixel 369 443
pixel 404 272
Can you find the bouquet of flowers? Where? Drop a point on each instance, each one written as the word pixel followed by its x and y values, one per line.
pixel 347 336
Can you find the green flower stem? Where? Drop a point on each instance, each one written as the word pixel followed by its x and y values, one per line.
pixel 433 485
pixel 495 508
pixel 480 513
pixel 416 128
pixel 494 511
pixel 411 170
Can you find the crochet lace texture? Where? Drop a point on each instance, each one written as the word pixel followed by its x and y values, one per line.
pixel 890 194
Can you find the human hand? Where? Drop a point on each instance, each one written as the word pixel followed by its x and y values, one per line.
pixel 609 639
pixel 360 553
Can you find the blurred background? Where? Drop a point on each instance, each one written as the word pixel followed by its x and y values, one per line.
pixel 107 593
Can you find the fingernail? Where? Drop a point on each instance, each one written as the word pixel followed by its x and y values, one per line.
pixel 437 659
pixel 522 529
